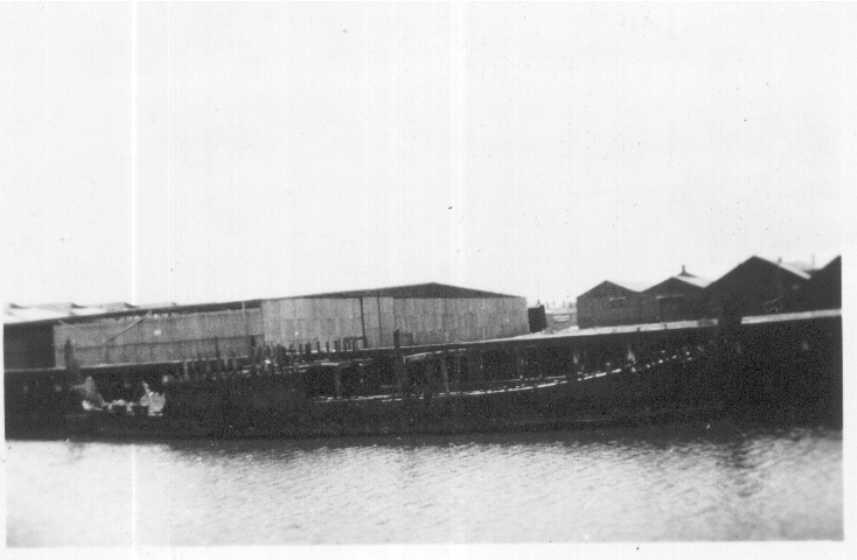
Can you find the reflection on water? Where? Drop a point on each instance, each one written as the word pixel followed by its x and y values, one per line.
pixel 662 483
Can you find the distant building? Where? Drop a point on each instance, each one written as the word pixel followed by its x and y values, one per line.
pixel 561 318
pixel 756 286
pixel 677 298
pixel 611 303
pixel 823 290
pixel 537 319
pixel 422 314
pixel 28 340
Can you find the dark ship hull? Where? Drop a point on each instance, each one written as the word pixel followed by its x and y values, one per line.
pixel 270 406
pixel 789 368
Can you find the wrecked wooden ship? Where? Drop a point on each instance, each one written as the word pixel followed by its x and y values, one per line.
pixel 773 365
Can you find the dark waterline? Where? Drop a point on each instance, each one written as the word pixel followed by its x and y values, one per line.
pixel 725 480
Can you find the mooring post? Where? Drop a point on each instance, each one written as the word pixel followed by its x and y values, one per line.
pixel 474 363
pixel 516 363
pixel 528 354
pixel 71 364
pixel 444 372
pixel 398 364
pixel 573 368
pixel 337 382
pixel 455 373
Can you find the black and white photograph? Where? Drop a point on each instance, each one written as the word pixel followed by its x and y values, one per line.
pixel 442 278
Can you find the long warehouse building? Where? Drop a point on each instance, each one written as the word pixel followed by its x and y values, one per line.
pixel 422 314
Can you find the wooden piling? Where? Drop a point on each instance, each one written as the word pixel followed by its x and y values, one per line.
pixel 475 365
pixel 399 370
pixel 444 372
pixel 337 382
pixel 71 364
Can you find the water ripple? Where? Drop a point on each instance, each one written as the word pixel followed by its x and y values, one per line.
pixel 669 482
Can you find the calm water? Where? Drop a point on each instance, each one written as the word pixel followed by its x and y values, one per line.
pixel 664 483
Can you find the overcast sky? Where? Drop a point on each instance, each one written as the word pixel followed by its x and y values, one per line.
pixel 210 152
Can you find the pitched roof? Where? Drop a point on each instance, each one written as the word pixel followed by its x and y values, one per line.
pixel 432 290
pixel 824 289
pixel 610 286
pixel 20 314
pixel 807 267
pixel 692 279
pixel 116 306
pixel 750 264
pixel 684 277
pixel 69 311
pixel 15 313
pixel 54 312
pixel 834 266
pixel 793 268
pixel 631 286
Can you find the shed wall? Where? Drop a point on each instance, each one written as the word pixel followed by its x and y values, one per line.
pixel 675 300
pixel 432 321
pixel 603 311
pixel 166 336
pixel 380 320
pixel 297 321
pixel 160 336
pixel 754 287
pixel 28 346
pixel 419 320
pixel 822 291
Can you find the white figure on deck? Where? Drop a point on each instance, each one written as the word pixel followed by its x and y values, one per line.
pixel 91 398
pixel 630 356
pixel 153 401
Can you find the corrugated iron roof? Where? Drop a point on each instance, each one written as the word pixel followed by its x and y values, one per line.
pixel 432 290
pixel 15 313
pixel 174 308
pixel 116 306
pixel 20 314
pixel 159 304
pixel 70 311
